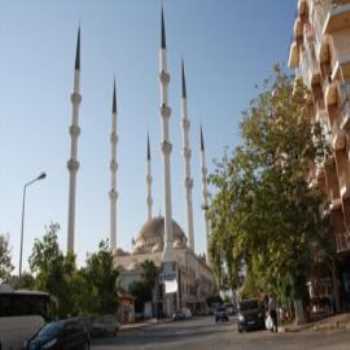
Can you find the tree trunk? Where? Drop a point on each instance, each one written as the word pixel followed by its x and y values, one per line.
pixel 299 312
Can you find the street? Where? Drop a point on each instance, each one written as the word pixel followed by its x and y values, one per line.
pixel 204 334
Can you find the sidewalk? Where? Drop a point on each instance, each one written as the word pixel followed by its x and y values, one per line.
pixel 147 323
pixel 341 321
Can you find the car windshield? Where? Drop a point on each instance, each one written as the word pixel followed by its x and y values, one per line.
pixel 51 330
pixel 248 305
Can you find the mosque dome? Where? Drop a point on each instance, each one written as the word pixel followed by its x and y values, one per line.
pixel 151 237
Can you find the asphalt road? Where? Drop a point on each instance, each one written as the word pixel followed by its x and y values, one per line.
pixel 204 334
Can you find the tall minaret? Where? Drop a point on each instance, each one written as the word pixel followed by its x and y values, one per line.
pixel 166 146
pixel 187 153
pixel 149 180
pixel 113 194
pixel 73 163
pixel 205 193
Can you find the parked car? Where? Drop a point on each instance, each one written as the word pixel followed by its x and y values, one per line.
pixel 251 315
pixel 179 316
pixel 183 314
pixel 221 314
pixel 106 325
pixel 60 335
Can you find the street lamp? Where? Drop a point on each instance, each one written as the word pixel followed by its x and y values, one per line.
pixel 42 176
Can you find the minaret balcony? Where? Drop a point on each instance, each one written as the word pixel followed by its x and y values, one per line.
pixel 74 130
pixel 75 97
pixel 187 152
pixel 113 194
pixel 114 138
pixel 164 77
pixel 293 61
pixel 113 166
pixel 186 123
pixel 338 17
pixel 189 182
pixel 73 165
pixel 166 147
pixel 165 111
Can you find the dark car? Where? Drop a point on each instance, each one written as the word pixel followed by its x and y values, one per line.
pixel 221 314
pixel 179 316
pixel 251 315
pixel 60 335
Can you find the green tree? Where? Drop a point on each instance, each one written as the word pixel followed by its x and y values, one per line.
pixel 101 280
pixel 27 281
pixel 5 258
pixel 264 213
pixel 54 272
pixel 143 290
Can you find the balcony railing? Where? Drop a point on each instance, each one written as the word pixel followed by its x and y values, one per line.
pixel 343 242
pixel 338 15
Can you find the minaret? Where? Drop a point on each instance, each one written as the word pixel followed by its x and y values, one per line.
pixel 73 163
pixel 113 194
pixel 187 153
pixel 205 193
pixel 149 180
pixel 166 146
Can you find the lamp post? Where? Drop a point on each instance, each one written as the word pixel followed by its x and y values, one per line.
pixel 42 176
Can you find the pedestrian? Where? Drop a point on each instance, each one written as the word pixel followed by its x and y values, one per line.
pixel 272 308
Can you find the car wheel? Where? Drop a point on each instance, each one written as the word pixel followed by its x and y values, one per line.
pixel 86 346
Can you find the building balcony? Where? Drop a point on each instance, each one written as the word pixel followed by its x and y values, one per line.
pixel 341 67
pixel 338 17
pixel 298 29
pixel 302 7
pixel 343 242
pixel 338 135
pixel 293 61
pixel 335 204
pixel 331 94
pixel 345 191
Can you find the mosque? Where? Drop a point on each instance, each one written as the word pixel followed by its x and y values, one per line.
pixel 185 278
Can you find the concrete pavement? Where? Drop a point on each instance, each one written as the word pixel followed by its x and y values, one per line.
pixel 204 334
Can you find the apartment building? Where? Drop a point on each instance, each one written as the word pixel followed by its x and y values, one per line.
pixel 320 56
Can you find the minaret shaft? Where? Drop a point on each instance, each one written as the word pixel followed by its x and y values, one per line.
pixel 205 194
pixel 166 146
pixel 73 163
pixel 187 153
pixel 113 194
pixel 149 181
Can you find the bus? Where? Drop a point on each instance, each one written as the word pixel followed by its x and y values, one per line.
pixel 22 313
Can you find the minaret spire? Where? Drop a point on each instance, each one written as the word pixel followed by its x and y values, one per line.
pixel 187 153
pixel 166 145
pixel 205 192
pixel 149 179
pixel 163 34
pixel 113 193
pixel 73 163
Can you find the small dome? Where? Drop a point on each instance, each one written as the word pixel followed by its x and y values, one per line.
pixel 151 237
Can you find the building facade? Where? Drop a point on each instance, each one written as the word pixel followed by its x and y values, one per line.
pixel 195 283
pixel 320 55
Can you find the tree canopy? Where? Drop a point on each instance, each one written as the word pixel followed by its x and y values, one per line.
pixel 265 217
pixel 5 258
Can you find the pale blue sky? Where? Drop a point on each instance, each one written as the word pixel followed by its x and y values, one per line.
pixel 228 47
